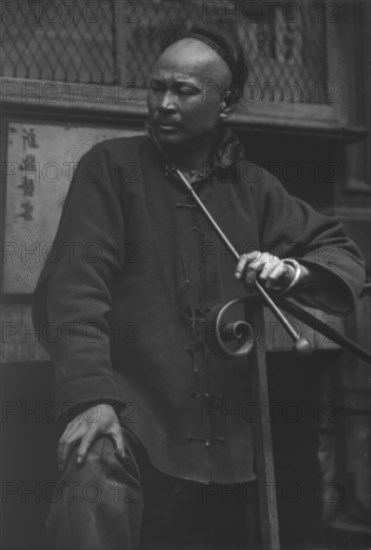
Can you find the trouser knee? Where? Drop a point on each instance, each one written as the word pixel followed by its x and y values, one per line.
pixel 99 503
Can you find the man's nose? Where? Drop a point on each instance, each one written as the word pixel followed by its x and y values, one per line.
pixel 168 102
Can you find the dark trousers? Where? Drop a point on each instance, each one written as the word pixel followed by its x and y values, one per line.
pixel 111 503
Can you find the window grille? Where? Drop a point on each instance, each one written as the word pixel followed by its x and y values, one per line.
pixel 76 41
pixel 57 40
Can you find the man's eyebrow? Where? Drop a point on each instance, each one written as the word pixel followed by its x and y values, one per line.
pixel 187 83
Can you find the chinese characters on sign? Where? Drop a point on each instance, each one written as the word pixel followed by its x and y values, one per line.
pixel 29 138
pixel 40 162
pixel 28 170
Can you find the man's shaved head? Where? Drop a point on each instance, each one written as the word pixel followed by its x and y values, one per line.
pixel 196 58
pixel 225 44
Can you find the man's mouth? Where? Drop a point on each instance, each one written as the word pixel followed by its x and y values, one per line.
pixel 167 126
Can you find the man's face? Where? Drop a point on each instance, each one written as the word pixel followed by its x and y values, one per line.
pixel 185 99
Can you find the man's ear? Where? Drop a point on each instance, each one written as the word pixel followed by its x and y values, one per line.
pixel 227 105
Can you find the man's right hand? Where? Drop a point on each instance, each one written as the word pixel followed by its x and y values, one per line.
pixel 85 428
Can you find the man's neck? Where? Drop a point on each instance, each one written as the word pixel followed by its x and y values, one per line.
pixel 191 157
pixel 188 161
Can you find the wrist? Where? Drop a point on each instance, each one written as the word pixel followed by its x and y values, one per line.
pixel 111 405
pixel 299 272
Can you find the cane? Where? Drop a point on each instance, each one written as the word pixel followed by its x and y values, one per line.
pixel 301 345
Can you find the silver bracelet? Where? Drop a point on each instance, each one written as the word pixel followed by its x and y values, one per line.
pixel 296 277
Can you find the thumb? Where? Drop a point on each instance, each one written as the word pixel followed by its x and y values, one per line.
pixel 119 444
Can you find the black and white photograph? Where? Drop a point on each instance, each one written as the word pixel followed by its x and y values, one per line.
pixel 185 274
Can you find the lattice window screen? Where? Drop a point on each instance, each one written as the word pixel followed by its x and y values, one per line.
pixel 69 42
pixel 76 42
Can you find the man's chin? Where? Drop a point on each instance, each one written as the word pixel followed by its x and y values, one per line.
pixel 169 136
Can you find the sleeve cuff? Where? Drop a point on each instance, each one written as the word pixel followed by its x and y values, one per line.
pixel 76 396
pixel 327 290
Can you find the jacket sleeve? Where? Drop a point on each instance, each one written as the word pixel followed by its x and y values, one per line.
pixel 289 227
pixel 80 282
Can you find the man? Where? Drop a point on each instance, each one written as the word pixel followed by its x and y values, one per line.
pixel 133 346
